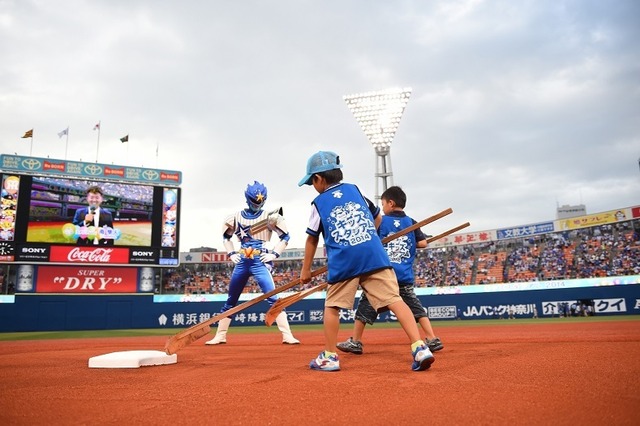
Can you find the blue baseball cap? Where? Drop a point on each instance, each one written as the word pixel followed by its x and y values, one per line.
pixel 321 161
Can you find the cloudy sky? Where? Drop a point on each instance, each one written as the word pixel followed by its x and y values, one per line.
pixel 516 107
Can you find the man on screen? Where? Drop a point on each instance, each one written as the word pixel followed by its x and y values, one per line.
pixel 94 218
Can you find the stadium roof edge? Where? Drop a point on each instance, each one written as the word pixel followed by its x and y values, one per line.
pixel 85 170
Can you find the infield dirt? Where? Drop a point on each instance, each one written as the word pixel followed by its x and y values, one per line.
pixel 526 374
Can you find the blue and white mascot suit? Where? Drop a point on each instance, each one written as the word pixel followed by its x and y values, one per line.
pixel 253 258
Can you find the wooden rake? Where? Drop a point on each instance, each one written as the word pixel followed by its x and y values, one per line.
pixel 262 225
pixel 281 304
pixel 195 332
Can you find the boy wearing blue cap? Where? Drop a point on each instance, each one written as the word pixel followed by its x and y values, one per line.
pixel 356 257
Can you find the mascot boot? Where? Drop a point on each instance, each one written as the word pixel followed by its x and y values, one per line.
pixel 221 334
pixel 283 326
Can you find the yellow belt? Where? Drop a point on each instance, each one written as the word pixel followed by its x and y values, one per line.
pixel 250 252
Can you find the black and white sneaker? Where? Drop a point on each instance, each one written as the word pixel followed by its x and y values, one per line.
pixel 350 345
pixel 435 344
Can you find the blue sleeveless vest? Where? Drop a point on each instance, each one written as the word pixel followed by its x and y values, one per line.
pixel 402 250
pixel 350 238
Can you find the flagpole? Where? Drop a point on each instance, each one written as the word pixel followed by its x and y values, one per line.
pixel 66 148
pixel 157 146
pixel 31 149
pixel 98 144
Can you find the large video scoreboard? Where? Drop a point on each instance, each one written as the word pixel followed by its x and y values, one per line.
pixel 42 199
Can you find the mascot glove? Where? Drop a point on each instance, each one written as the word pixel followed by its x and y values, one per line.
pixel 235 258
pixel 268 257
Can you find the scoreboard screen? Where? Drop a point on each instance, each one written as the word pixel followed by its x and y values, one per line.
pixel 44 219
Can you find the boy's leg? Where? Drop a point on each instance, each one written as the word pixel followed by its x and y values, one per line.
pixel 358 329
pixel 365 314
pixel 433 341
pixel 382 290
pixel 353 344
pixel 327 360
pixel 409 297
pixel 425 324
pixel 422 356
pixel 331 327
pixel 339 296
pixel 406 320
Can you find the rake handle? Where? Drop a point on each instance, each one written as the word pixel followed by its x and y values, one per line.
pixel 281 304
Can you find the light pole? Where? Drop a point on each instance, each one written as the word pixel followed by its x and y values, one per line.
pixel 378 114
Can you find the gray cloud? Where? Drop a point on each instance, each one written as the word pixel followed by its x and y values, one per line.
pixel 516 106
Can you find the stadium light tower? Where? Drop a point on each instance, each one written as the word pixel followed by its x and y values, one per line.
pixel 379 114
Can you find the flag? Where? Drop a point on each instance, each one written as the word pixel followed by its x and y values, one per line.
pixel 124 139
pixel 64 132
pixel 28 134
pixel 97 126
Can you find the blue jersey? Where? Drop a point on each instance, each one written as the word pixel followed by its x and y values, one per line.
pixel 402 250
pixel 350 237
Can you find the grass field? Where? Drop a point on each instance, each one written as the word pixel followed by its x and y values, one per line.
pixel 82 334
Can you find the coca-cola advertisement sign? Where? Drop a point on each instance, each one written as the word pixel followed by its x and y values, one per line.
pixel 71 279
pixel 89 255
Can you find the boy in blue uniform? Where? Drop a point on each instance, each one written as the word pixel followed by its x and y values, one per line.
pixel 355 255
pixel 402 252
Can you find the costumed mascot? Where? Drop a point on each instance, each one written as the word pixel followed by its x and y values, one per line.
pixel 253 258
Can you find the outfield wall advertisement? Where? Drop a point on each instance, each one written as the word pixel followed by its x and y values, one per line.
pixel 78 308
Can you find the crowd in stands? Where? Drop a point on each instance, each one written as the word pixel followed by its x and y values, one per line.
pixel 599 251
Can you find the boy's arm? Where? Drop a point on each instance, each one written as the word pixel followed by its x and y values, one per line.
pixel 377 220
pixel 375 212
pixel 309 252
pixel 421 239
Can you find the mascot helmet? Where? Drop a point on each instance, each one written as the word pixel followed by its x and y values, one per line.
pixel 256 195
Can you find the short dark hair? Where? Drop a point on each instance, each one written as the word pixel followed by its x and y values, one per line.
pixel 395 194
pixel 332 176
pixel 94 190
